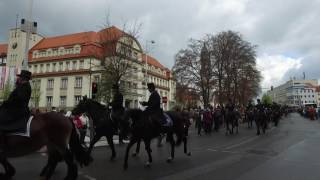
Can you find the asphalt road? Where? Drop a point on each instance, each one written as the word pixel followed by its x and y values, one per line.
pixel 290 151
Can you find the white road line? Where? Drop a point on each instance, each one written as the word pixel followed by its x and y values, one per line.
pixel 86 176
pixel 246 141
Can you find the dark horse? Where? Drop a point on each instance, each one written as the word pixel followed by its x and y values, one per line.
pixel 261 121
pixel 249 117
pixel 142 128
pixel 231 119
pixel 54 131
pixel 102 123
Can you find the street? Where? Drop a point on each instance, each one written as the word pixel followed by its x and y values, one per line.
pixel 290 151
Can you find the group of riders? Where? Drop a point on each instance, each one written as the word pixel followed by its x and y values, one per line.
pixel 14 112
pixel 144 125
pixel 230 115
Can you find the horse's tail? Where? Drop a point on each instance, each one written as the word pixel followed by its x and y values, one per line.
pixel 77 149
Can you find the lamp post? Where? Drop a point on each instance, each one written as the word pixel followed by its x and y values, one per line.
pixel 146 65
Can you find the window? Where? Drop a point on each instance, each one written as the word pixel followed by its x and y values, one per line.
pixel 68 66
pixel 78 83
pixel 35 69
pixel 49 101
pixel 54 67
pixel 48 68
pixel 63 101
pixel 50 83
pixel 64 83
pixel 77 99
pixel 41 68
pixel 81 64
pixel 61 66
pixel 74 65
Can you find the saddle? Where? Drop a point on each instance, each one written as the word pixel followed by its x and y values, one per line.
pixel 168 119
pixel 26 133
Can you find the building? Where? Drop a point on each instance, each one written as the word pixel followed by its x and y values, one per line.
pixel 65 67
pixel 295 92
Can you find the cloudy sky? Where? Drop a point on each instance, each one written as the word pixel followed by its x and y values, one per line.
pixel 287 32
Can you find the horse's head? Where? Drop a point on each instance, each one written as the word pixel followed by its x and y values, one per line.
pixel 81 107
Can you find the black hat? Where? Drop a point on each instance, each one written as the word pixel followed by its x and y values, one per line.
pixel 115 86
pixel 25 74
pixel 151 86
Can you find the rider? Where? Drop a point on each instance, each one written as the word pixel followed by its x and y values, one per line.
pixel 14 112
pixel 230 106
pixel 117 102
pixel 259 106
pixel 117 108
pixel 249 106
pixel 153 110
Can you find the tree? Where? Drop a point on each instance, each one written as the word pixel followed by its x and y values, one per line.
pixel 266 100
pixel 35 93
pixel 6 90
pixel 220 66
pixel 193 69
pixel 119 57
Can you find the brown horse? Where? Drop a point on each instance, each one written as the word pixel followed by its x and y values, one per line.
pixel 54 131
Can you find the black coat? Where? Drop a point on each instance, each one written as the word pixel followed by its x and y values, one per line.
pixel 15 112
pixel 153 104
pixel 117 102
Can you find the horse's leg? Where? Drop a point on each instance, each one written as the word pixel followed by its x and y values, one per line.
pixel 48 170
pixel 72 167
pixel 8 168
pixel 110 142
pixel 171 140
pixel 95 139
pixel 159 140
pixel 137 148
pixel 185 146
pixel 132 141
pixel 147 143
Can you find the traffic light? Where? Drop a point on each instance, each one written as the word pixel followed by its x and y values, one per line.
pixel 94 88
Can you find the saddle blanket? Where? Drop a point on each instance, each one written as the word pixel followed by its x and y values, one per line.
pixel 27 131
pixel 169 121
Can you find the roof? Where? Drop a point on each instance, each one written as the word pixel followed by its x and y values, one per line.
pixel 66 40
pixel 152 61
pixel 3 48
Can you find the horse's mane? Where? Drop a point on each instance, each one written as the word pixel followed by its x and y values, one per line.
pixel 99 105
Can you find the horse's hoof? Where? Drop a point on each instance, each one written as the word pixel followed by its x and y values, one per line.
pixel 125 166
pixel 189 154
pixel 169 160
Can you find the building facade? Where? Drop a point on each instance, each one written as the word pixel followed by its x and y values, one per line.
pixel 65 67
pixel 295 92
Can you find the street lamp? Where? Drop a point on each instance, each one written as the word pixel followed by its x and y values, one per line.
pixel 146 65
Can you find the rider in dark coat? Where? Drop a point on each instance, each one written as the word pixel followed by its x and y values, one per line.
pixel 153 109
pixel 259 106
pixel 117 101
pixel 15 112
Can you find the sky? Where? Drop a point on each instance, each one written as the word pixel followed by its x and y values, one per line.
pixel 286 32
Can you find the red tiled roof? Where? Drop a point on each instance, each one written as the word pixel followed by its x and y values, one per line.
pixel 152 61
pixel 3 48
pixel 92 43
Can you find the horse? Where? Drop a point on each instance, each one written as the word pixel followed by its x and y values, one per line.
pixel 142 128
pixel 102 122
pixel 250 118
pixel 231 118
pixel 54 131
pixel 261 121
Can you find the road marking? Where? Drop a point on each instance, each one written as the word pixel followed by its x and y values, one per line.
pixel 86 176
pixel 204 169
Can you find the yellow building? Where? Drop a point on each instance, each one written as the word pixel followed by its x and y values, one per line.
pixel 64 67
